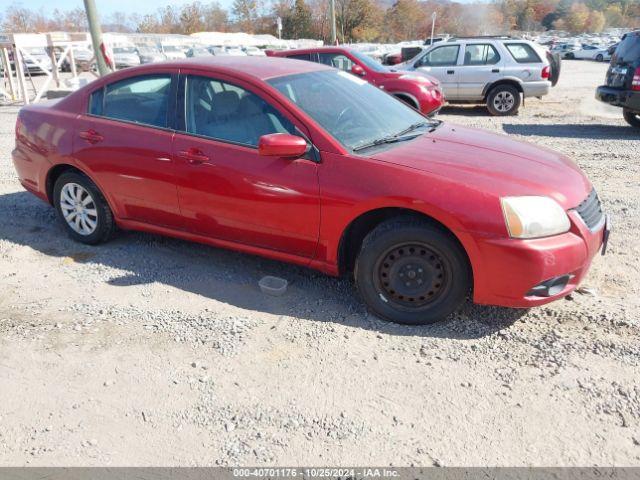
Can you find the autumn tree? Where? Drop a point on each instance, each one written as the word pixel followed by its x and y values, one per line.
pixel 296 23
pixel 246 14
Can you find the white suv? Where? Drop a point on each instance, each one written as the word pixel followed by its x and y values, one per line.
pixel 498 72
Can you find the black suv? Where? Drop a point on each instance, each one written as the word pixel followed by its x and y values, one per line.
pixel 623 79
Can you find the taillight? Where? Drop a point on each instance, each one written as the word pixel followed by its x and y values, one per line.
pixel 635 83
pixel 19 126
pixel 546 72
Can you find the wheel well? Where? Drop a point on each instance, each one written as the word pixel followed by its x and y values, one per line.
pixel 406 99
pixel 54 174
pixel 360 227
pixel 490 86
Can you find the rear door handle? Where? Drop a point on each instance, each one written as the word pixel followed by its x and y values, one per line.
pixel 450 72
pixel 194 156
pixel 91 136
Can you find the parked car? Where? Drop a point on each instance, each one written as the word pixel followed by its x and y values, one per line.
pixel 235 51
pixel 497 72
pixel 172 52
pixel 149 54
pixel 304 163
pixel 564 49
pixel 590 52
pixel 217 50
pixel 254 51
pixel 423 94
pixel 36 60
pixel 198 52
pixel 622 87
pixel 125 56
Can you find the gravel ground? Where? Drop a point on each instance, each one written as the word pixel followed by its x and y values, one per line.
pixel 152 351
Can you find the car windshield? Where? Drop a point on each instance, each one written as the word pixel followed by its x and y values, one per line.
pixel 354 112
pixel 170 48
pixel 369 62
pixel 124 50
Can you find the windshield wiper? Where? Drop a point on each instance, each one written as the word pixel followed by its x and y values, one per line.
pixel 398 137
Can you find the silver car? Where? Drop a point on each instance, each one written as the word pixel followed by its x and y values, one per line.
pixel 497 72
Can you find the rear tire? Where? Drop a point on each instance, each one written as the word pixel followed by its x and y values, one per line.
pixel 570 56
pixel 632 118
pixel 600 58
pixel 82 208
pixel 503 100
pixel 412 272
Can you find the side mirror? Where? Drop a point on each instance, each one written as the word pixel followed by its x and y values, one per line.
pixel 358 70
pixel 282 145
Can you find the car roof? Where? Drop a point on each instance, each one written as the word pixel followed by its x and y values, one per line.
pixel 262 68
pixel 315 50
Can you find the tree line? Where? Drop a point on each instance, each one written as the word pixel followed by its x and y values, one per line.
pixel 357 20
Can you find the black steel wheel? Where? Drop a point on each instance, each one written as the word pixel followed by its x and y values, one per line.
pixel 412 275
pixel 412 271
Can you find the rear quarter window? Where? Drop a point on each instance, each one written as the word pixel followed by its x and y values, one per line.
pixel 523 53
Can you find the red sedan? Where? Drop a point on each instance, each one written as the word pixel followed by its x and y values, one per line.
pixel 308 164
pixel 420 92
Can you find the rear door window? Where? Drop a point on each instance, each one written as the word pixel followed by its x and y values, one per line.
pixel 142 99
pixel 523 53
pixel 481 54
pixel 336 60
pixel 303 56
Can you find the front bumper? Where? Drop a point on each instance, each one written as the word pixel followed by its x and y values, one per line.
pixel 512 268
pixel 431 101
pixel 619 97
pixel 536 89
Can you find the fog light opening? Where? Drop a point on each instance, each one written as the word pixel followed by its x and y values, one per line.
pixel 550 287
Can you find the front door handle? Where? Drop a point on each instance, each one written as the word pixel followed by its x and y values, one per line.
pixel 194 156
pixel 495 70
pixel 450 72
pixel 91 136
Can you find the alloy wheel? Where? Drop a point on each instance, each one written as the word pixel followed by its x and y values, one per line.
pixel 504 101
pixel 78 209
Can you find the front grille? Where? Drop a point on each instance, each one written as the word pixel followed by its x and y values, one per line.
pixel 590 210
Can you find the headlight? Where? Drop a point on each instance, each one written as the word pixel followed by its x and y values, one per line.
pixel 413 78
pixel 534 217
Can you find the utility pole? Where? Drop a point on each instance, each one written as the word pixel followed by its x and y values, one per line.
pixel 332 21
pixel 96 36
pixel 433 25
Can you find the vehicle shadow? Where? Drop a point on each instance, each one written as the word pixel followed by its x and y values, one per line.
pixel 586 131
pixel 133 258
pixel 465 110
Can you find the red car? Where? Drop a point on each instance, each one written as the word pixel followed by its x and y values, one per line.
pixel 311 165
pixel 420 92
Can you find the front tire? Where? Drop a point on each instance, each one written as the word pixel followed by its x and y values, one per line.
pixel 82 208
pixel 600 58
pixel 412 272
pixel 632 118
pixel 503 100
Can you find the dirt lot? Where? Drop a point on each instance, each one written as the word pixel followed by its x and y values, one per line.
pixel 152 351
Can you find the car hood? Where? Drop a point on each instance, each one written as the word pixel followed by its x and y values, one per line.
pixel 409 75
pixel 495 163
